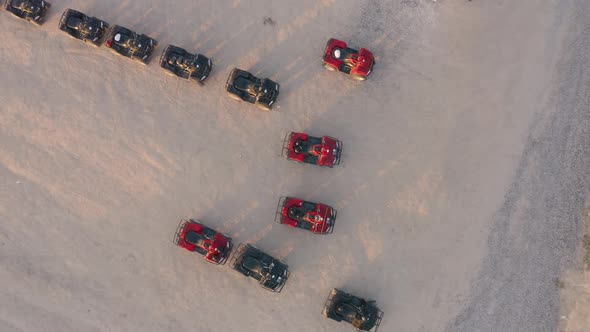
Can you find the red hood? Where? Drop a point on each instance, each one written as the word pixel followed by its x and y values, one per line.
pixel 365 61
pixel 319 218
pixel 219 243
pixel 328 156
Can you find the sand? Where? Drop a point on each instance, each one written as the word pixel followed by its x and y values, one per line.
pixel 100 157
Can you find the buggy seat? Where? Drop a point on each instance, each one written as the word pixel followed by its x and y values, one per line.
pixel 194 238
pixel 73 22
pixel 252 264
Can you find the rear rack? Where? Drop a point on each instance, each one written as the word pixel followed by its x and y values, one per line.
pixel 378 321
pixel 328 302
pixel 179 229
pixel 237 254
pixel 279 211
pixel 286 144
pixel 164 54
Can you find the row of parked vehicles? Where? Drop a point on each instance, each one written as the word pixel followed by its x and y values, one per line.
pixel 241 85
pixel 192 235
pixel 318 218
pixel 271 273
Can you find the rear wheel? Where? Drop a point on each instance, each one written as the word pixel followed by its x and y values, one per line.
pixel 329 42
pixel 329 67
pixel 234 97
pixel 371 70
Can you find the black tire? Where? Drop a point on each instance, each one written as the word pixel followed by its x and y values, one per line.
pixel 329 67
pixel 371 70
pixel 140 60
pixel 263 106
pixel 233 96
pixel 359 77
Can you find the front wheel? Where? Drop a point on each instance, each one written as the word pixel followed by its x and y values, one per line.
pixel 329 67
pixel 359 77
pixel 263 106
pixel 38 22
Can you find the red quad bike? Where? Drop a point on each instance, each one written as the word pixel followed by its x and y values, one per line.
pixel 301 147
pixel 315 217
pixel 195 237
pixel 357 64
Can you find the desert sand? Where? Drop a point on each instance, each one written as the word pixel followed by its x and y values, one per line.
pixel 464 173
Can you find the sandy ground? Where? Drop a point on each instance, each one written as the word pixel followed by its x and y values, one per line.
pixel 460 194
pixel 575 287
